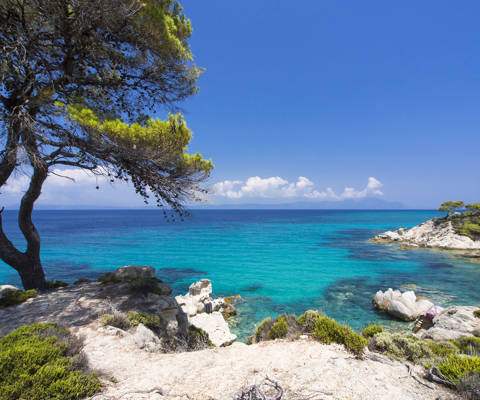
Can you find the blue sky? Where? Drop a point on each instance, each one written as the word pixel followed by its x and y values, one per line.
pixel 337 93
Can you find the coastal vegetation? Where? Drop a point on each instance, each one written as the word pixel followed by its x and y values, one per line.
pixel 79 81
pixel 465 218
pixel 14 297
pixel 314 323
pixel 44 361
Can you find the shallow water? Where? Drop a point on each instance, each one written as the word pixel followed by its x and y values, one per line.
pixel 278 260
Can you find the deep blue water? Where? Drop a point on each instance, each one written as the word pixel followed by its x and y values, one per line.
pixel 278 260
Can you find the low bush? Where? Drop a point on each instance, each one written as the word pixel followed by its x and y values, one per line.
pixel 56 284
pixel 143 285
pixel 14 297
pixel 261 331
pixel 476 313
pixel 151 321
pixel 82 280
pixel 35 365
pixel 108 277
pixel 371 330
pixel 456 366
pixel 198 339
pixel 279 329
pixel 399 346
pixel 117 320
pixel 307 320
pixel 328 331
pixel 469 386
pixel 468 345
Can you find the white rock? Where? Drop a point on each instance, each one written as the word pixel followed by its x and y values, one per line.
pixel 453 323
pixel 216 327
pixel 202 288
pixel 404 306
pixel 431 233
pixel 6 288
pixel 145 339
pixel 134 271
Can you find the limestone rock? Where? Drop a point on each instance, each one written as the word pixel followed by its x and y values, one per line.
pixel 400 305
pixel 431 233
pixel 145 339
pixel 202 288
pixel 134 271
pixel 454 322
pixel 216 327
pixel 7 288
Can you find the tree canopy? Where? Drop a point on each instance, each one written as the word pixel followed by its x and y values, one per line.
pixel 79 82
pixel 451 206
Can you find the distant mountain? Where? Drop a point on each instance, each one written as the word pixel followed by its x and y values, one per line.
pixel 372 203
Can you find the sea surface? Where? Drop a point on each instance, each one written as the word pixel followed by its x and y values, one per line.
pixel 279 261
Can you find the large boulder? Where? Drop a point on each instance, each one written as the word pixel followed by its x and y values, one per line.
pixel 145 339
pixel 134 271
pixel 404 306
pixel 454 323
pixel 216 327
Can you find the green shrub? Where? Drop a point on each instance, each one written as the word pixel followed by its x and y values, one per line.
pixel 34 365
pixel 108 277
pixel 14 297
pixel 409 347
pixel 151 321
pixel 279 329
pixel 198 339
pixel 456 366
pixel 328 331
pixel 82 280
pixel 143 285
pixel 260 330
pixel 307 320
pixel 469 386
pixel 371 330
pixel 476 313
pixel 117 320
pixel 56 284
pixel 468 345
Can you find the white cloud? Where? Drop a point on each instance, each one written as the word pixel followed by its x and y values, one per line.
pixel 277 187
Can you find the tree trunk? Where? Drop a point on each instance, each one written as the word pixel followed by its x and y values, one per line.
pixel 32 276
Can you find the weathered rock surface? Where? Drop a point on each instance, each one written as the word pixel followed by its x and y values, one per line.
pixel 429 234
pixel 400 305
pixel 134 271
pixel 305 369
pixel 6 288
pixel 205 313
pixel 454 322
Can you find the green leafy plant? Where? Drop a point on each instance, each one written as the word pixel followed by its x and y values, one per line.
pixel 477 313
pixel 456 366
pixel 117 320
pixel 307 320
pixel 56 284
pixel 35 364
pixel 198 339
pixel 14 297
pixel 371 330
pixel 279 329
pixel 151 321
pixel 108 277
pixel 328 331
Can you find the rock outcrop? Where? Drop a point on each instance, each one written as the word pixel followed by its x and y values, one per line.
pixel 6 288
pixel 205 313
pixel 134 271
pixel 454 322
pixel 433 233
pixel 404 306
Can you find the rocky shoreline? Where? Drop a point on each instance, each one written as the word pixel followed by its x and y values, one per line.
pixel 434 233
pixel 148 344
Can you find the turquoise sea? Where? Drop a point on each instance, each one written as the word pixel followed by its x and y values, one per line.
pixel 278 260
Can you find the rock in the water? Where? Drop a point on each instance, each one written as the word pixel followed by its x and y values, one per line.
pixel 216 327
pixel 6 288
pixel 453 323
pixel 400 305
pixel 134 271
pixel 432 233
pixel 206 313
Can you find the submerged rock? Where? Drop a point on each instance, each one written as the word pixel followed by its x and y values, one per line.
pixel 454 323
pixel 404 306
